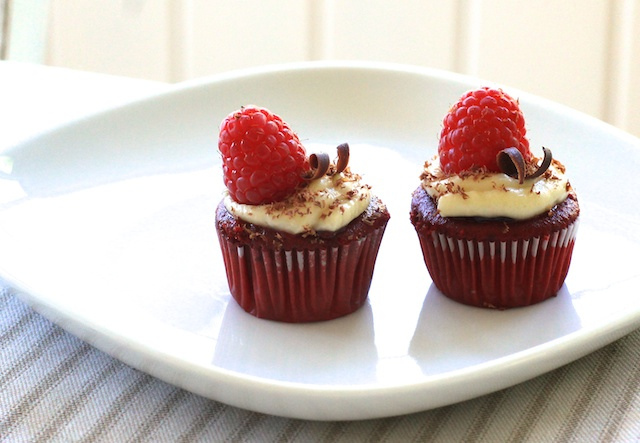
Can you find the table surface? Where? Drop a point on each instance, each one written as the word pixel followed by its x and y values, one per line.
pixel 54 387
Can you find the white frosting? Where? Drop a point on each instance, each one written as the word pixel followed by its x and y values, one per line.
pixel 325 204
pixel 494 194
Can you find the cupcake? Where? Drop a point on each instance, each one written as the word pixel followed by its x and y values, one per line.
pixel 496 223
pixel 299 233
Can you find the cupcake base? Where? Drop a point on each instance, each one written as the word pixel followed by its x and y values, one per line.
pixel 279 276
pixel 500 263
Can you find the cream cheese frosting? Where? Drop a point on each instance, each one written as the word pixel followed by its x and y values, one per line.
pixel 490 195
pixel 328 203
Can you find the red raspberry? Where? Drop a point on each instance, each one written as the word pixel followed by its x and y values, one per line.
pixel 480 125
pixel 263 160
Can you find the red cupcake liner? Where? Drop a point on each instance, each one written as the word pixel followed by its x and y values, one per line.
pixel 499 274
pixel 301 285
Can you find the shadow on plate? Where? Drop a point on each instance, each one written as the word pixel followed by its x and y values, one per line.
pixel 451 336
pixel 339 351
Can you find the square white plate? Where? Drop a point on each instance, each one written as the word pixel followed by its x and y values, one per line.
pixel 107 227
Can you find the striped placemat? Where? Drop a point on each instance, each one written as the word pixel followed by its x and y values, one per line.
pixel 54 387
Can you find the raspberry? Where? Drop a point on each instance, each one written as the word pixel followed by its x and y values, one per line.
pixel 480 125
pixel 263 160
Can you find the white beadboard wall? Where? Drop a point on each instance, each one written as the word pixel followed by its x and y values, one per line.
pixel 582 53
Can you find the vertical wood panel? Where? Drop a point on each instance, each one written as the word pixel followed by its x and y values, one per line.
pixel 468 21
pixel 26 35
pixel 618 63
pixel 180 44
pixel 128 37
pixel 231 35
pixel 632 105
pixel 583 53
pixel 403 31
pixel 556 49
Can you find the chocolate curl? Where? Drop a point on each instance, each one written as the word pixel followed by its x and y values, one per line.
pixel 319 165
pixel 546 162
pixel 343 157
pixel 511 162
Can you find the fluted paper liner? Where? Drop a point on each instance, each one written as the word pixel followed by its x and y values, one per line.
pixel 301 285
pixel 499 274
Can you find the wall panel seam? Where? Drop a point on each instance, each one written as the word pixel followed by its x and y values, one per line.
pixel 466 40
pixel 316 37
pixel 617 72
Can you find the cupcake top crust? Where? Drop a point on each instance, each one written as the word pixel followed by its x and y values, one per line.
pixel 273 183
pixel 485 168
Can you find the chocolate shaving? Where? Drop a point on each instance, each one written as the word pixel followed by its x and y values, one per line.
pixel 511 162
pixel 321 165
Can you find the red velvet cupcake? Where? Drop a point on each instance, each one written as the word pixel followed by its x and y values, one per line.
pixel 299 235
pixel 496 224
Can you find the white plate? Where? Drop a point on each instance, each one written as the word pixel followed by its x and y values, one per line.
pixel 106 224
